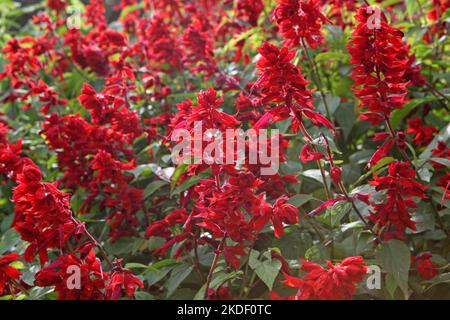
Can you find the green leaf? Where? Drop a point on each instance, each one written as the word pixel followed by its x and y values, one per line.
pixel 242 36
pixel 177 276
pixel 332 103
pixel 442 278
pixel 216 282
pixel 177 175
pixel 443 161
pixel 394 257
pixel 294 243
pixel 411 7
pixel 391 285
pixel 266 270
pixel 152 187
pixel 141 295
pixel 339 210
pixel 165 263
pixel 380 164
pixel 189 182
pixel 153 276
pixel 316 175
pixel 399 114
pixel 346 118
pixel 135 265
pixel 326 56
pixel 299 199
pixel 129 9
pixel 443 135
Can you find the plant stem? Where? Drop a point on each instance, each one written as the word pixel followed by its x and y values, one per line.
pixel 20 286
pixel 97 244
pixel 213 265
pixel 319 164
pixel 316 78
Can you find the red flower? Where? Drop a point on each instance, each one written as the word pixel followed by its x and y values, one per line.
pixel 444 182
pixel 378 85
pixel 96 59
pixel 74 278
pixel 338 9
pixel 336 283
pixel 57 5
pixel 98 104
pixel 116 38
pixel 122 279
pixel 283 212
pixel 249 10
pixel 42 213
pixel 425 267
pixel 300 20
pixel 307 155
pixel 335 174
pixel 7 272
pixel 230 254
pixel 198 50
pixel 392 216
pixel 441 151
pixel 11 161
pixel 422 133
pixel 222 293
pixel 280 81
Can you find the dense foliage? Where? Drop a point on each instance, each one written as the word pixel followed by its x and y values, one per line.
pixel 93 205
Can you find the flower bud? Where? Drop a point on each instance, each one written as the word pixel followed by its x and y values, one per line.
pixel 335 174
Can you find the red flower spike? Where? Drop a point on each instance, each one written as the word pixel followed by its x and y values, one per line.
pixel 392 216
pixel 300 20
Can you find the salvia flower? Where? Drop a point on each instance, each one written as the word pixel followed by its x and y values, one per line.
pixel 63 275
pixel 337 282
pixel 300 20
pixel 7 272
pixel 379 66
pixel 281 82
pixel 422 133
pixel 392 216
pixel 426 268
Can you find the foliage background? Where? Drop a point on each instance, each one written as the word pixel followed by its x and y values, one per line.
pixel 333 235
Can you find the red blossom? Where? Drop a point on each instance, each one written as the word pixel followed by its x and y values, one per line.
pixel 300 20
pixel 63 275
pixel 338 282
pixel 422 133
pixel 426 268
pixel 122 279
pixel 379 86
pixel 7 272
pixel 392 216
pixel 307 155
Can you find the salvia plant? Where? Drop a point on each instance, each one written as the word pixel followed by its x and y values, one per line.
pixel 224 149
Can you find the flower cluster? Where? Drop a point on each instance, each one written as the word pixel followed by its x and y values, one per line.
pixel 379 85
pixel 7 272
pixel 281 82
pixel 426 268
pixel 229 204
pixel 97 103
pixel 392 216
pixel 44 219
pixel 300 20
pixel 338 282
pixel 422 133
